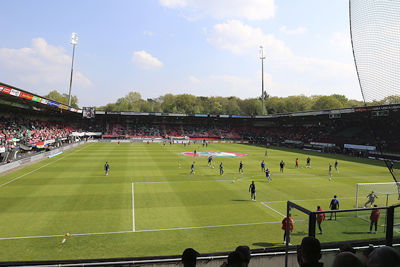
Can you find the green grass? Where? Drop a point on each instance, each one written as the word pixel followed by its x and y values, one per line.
pixel 172 209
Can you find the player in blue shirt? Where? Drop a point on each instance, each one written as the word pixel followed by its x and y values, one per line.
pixel 192 168
pixel 330 171
pixel 268 175
pixel 308 165
pixel 107 168
pixel 221 169
pixel 209 161
pixel 241 167
pixel 334 206
pixel 252 190
pixel 263 166
pixel 336 163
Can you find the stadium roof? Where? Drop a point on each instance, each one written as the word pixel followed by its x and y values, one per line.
pixel 13 94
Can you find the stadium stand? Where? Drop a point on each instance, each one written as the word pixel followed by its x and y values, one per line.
pixel 28 127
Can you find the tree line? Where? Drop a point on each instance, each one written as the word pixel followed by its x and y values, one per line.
pixel 190 104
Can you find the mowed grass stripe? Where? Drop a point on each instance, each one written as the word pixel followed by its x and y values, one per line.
pixel 73 195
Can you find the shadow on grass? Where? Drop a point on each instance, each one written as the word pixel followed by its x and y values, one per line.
pixel 241 200
pixel 355 233
pixel 299 233
pixel 265 244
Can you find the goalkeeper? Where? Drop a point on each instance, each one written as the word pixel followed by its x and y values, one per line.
pixel 371 199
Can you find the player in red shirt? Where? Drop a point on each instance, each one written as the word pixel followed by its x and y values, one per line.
pixel 320 219
pixel 284 227
pixel 374 219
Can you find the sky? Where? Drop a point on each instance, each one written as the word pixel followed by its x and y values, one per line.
pixel 199 47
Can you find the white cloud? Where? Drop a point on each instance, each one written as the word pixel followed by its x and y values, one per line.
pixel 193 79
pixel 173 3
pixel 312 74
pixel 298 30
pixel 146 61
pixel 221 9
pixel 341 41
pixel 240 38
pixel 148 33
pixel 41 66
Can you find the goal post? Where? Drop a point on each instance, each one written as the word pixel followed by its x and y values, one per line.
pixel 387 194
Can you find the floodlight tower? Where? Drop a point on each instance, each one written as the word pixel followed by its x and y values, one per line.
pixel 262 57
pixel 74 42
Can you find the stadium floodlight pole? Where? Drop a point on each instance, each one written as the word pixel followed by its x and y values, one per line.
pixel 262 57
pixel 74 42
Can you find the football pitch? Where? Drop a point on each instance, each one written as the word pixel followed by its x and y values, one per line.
pixel 150 205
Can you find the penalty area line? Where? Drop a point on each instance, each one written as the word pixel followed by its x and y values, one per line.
pixel 133 210
pixel 263 203
pixel 140 231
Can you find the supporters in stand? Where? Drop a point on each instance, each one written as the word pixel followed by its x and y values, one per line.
pixel 30 131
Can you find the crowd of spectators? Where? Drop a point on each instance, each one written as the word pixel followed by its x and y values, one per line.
pixel 30 131
pixel 309 254
pixel 338 132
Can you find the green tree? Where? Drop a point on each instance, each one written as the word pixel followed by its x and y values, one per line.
pixel 62 98
pixel 326 102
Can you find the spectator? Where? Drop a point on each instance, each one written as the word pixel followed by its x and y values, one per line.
pixel 347 248
pixel 347 259
pixel 374 219
pixel 309 253
pixel 244 252
pixel 284 228
pixel 384 257
pixel 189 257
pixel 320 219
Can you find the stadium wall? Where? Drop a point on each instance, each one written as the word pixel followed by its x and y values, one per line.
pixel 29 160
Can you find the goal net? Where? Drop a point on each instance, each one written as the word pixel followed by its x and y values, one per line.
pixel 375 38
pixel 386 193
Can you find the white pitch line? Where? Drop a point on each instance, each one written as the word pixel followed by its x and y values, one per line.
pixel 139 231
pixel 300 200
pixel 19 177
pixel 204 227
pixel 133 210
pixel 263 203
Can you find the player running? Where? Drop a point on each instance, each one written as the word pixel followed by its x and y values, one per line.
pixel 192 168
pixel 268 175
pixel 336 164
pixel 266 153
pixel 308 165
pixel 241 167
pixel 297 163
pixel 107 168
pixel 282 165
pixel 194 153
pixel 371 199
pixel 209 161
pixel 221 169
pixel 263 166
pixel 330 171
pixel 252 190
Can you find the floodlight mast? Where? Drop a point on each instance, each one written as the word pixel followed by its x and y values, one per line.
pixel 262 57
pixel 74 42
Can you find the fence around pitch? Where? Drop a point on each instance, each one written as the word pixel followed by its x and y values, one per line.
pixel 352 225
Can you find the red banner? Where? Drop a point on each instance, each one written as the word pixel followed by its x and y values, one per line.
pixel 5 90
pixel 26 96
